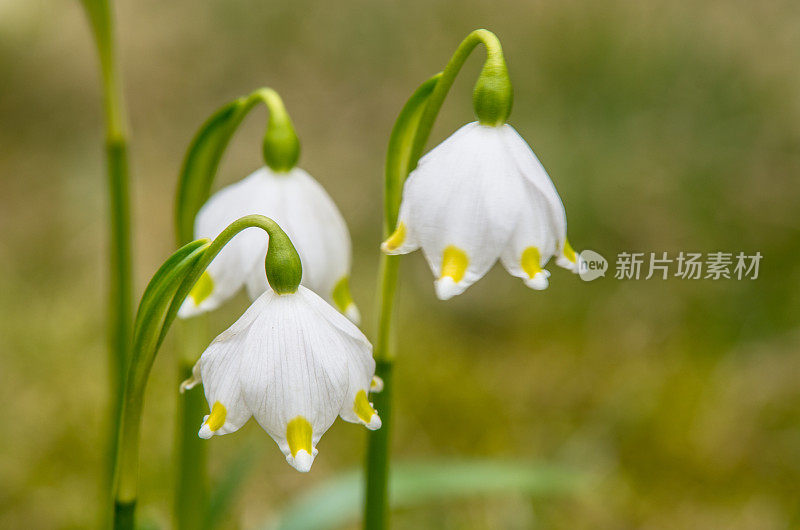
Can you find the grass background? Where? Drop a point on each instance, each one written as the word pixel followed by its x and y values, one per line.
pixel 666 126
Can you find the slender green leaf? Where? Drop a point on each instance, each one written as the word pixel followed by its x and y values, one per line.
pixel 401 143
pixel 338 501
pixel 161 277
pixel 150 318
pixel 201 163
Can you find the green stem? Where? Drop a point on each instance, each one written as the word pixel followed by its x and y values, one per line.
pixel 494 65
pixel 281 151
pixel 157 311
pixel 411 131
pixel 207 147
pixel 192 487
pixel 376 509
pixel 398 161
pixel 149 319
pixel 116 145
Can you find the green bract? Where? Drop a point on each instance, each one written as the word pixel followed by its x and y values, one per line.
pixel 281 146
pixel 493 96
pixel 283 266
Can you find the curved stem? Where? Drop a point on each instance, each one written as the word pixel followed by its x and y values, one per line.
pixel 207 147
pixel 154 302
pixel 157 311
pixel 194 186
pixel 494 61
pixel 408 139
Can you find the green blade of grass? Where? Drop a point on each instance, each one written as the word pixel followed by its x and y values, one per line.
pixel 338 501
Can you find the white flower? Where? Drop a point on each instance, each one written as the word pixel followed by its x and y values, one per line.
pixel 306 213
pixel 294 363
pixel 478 196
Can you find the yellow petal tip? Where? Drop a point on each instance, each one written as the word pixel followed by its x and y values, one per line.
pixel 569 252
pixel 395 240
pixel 213 421
pixel 298 436
pixel 364 411
pixel 376 385
pixel 454 263
pixel 531 264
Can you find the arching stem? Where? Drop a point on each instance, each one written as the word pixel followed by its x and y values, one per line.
pixel 409 136
pixel 158 308
pixel 281 151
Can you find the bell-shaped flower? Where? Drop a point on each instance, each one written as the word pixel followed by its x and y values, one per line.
pixel 300 205
pixel 478 196
pixel 294 363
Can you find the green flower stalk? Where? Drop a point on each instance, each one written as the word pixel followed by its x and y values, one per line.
pixel 484 191
pixel 120 287
pixel 279 190
pixel 158 308
pixel 472 217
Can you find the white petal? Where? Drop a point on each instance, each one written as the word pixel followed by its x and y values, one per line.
pixel 302 460
pixel 228 270
pixel 465 193
pixel 534 172
pixel 377 385
pixel 295 363
pixel 256 281
pixel 403 240
pixel 321 233
pixel 357 351
pixel 447 288
pixel 293 366
pixel 539 281
pixel 535 234
pixel 219 369
pixel 305 211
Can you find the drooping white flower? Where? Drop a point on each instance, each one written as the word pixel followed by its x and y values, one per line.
pixel 292 362
pixel 478 196
pixel 307 214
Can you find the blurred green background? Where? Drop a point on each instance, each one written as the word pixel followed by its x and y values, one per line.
pixel 666 126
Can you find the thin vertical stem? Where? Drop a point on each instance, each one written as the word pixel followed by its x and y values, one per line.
pixel 120 289
pixel 120 269
pixel 376 508
pixel 191 493
pixel 409 136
